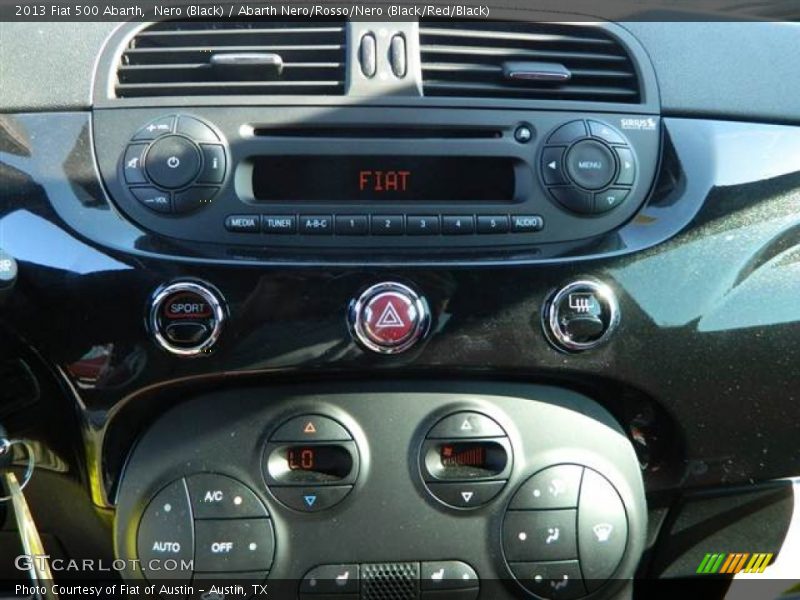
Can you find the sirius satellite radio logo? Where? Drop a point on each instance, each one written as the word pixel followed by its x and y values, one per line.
pixel 718 564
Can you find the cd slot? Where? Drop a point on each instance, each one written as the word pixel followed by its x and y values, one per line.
pixel 363 132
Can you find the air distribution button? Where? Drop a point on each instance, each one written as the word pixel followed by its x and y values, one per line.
pixel 389 318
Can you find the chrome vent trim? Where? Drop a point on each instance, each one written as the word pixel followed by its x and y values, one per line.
pixel 471 59
pixel 173 58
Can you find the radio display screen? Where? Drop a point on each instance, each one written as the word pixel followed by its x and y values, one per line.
pixel 376 178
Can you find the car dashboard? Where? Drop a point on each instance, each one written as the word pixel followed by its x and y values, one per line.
pixel 439 309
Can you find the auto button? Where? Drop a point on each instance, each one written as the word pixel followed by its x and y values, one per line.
pixel 166 533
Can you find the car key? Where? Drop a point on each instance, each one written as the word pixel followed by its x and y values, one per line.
pixel 39 569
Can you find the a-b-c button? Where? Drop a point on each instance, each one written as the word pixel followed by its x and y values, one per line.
pixel 172 161
pixel 590 164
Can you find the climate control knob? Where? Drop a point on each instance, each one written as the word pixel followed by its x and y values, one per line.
pixel 389 318
pixel 186 318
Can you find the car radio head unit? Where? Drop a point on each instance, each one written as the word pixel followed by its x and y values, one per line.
pixel 372 178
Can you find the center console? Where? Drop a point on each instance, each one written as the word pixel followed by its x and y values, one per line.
pixel 386 491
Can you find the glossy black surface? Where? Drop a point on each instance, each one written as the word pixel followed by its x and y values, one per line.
pixel 702 368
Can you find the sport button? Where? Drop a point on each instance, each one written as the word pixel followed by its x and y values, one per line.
pixel 389 318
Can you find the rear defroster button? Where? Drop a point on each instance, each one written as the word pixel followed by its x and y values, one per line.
pixel 389 318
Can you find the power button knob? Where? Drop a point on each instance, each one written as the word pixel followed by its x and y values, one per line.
pixel 389 318
pixel 186 318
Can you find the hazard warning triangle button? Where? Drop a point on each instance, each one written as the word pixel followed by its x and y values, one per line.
pixel 389 317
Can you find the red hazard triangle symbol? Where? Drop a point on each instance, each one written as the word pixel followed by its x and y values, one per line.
pixel 390 317
pixel 309 428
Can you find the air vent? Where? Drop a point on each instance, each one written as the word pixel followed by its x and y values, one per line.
pixel 210 58
pixel 527 61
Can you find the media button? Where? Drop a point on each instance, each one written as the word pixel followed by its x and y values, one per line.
pixel 526 223
pixel 279 224
pixel 387 225
pixel 458 224
pixel 243 223
pixel 422 225
pixel 493 224
pixel 316 224
pixel 351 225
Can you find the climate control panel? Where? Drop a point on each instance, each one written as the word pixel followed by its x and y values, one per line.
pixel 365 488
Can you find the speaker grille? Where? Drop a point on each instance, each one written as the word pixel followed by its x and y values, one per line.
pixel 390 581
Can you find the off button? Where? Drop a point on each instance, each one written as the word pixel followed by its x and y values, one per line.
pixel 389 318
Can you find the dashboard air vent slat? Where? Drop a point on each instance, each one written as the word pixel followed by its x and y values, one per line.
pixel 468 59
pixel 172 58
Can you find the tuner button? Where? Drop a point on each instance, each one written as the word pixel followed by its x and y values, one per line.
pixel 172 161
pixel 580 316
pixel 389 318
pixel 186 318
